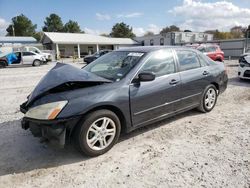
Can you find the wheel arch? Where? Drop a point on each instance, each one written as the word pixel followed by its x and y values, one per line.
pixel 37 60
pixel 113 109
pixel 217 86
pixel 4 62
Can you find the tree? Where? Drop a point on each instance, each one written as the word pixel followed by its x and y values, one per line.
pixel 72 27
pixel 53 23
pixel 38 35
pixel 122 30
pixel 171 28
pixel 22 26
pixel 149 33
pixel 105 35
pixel 247 32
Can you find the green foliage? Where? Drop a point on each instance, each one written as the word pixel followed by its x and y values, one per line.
pixel 218 35
pixel 149 33
pixel 72 27
pixel 38 35
pixel 247 32
pixel 105 35
pixel 122 30
pixel 171 28
pixel 53 23
pixel 22 26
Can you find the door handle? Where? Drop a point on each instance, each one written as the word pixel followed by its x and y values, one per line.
pixel 173 82
pixel 205 73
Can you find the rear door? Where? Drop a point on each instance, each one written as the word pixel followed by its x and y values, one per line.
pixel 155 99
pixel 195 77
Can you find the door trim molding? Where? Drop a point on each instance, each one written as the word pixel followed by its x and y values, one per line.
pixel 165 104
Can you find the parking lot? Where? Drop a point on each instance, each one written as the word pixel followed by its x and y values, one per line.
pixel 191 149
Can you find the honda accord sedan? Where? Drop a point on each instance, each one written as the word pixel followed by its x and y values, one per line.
pixel 119 92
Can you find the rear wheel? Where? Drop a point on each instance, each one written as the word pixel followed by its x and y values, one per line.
pixel 2 64
pixel 209 99
pixel 218 59
pixel 97 133
pixel 36 63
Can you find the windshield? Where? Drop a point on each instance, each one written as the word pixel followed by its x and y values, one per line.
pixel 115 65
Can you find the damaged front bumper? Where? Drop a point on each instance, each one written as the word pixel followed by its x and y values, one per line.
pixel 53 131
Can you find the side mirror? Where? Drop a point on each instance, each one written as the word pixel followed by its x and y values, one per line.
pixel 146 77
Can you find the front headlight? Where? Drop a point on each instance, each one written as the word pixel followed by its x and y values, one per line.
pixel 47 111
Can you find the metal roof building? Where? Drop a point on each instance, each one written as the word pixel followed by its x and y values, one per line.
pixel 17 40
pixel 80 44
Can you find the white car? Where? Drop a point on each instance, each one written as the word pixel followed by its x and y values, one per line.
pixel 47 56
pixel 22 58
pixel 244 67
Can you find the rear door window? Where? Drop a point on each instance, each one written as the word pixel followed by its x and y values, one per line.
pixel 187 60
pixel 203 60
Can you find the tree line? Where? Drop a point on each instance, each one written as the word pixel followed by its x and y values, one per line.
pixel 22 26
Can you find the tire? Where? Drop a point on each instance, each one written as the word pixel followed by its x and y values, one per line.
pixel 36 63
pixel 90 133
pixel 2 64
pixel 218 59
pixel 209 99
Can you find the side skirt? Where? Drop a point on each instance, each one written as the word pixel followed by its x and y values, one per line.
pixel 164 116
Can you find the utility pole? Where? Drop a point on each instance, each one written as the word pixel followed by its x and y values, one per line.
pixel 248 30
pixel 13 30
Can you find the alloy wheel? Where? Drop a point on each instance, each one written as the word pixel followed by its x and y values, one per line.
pixel 210 98
pixel 101 133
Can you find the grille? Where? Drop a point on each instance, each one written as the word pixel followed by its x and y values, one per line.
pixel 247 73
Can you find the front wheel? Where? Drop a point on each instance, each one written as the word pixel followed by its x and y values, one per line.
pixel 209 99
pixel 97 133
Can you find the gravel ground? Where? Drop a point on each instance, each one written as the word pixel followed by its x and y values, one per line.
pixel 188 150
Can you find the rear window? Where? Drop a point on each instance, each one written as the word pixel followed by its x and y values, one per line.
pixel 211 49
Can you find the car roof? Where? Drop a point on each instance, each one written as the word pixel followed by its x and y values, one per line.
pixel 147 49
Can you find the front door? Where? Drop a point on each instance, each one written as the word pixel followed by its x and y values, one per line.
pixel 28 58
pixel 155 99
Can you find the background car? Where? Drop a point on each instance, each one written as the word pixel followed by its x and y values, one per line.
pixel 89 58
pixel 244 66
pixel 21 58
pixel 213 51
pixel 121 91
pixel 47 56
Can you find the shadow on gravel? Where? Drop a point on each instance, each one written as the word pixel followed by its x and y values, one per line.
pixel 238 82
pixel 21 152
pixel 232 65
pixel 156 125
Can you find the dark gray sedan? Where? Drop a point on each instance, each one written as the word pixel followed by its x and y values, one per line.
pixel 120 92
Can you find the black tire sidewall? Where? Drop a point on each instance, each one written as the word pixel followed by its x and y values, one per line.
pixel 38 64
pixel 83 127
pixel 2 64
pixel 204 97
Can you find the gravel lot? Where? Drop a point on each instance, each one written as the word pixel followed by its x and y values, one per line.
pixel 188 150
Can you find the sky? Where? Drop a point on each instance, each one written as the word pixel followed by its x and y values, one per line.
pixel 98 16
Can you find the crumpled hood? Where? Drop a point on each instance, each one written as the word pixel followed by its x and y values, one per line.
pixel 61 74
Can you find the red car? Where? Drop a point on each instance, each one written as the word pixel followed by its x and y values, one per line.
pixel 213 51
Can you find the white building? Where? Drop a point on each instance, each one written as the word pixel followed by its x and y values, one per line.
pixel 79 44
pixel 174 38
